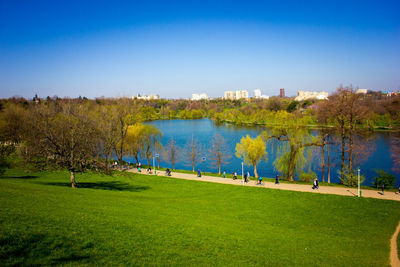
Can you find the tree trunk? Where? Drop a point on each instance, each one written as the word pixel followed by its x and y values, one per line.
pixel 219 167
pixel 342 156
pixel 323 160
pixel 255 171
pixel 351 153
pixel 173 164
pixel 72 177
pixel 291 166
pixel 329 163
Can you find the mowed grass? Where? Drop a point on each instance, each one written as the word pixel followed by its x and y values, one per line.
pixel 146 220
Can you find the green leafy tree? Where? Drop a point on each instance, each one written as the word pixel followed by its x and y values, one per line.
pixel 294 140
pixel 251 151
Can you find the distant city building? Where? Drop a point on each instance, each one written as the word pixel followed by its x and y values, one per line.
pixel 146 97
pixel 305 95
pixel 199 96
pixel 362 91
pixel 229 95
pixel 282 92
pixel 257 94
pixel 392 93
pixel 240 94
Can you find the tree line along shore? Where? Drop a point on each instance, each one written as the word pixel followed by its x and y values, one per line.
pixel 82 134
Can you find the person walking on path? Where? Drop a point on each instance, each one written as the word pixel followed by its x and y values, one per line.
pixel 248 176
pixel 277 179
pixel 383 188
pixel 315 184
pixel 224 174
pixel 234 175
pixel 245 177
pixel 260 180
pixel 198 173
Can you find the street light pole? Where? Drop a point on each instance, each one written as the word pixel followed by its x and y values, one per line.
pixel 154 166
pixel 242 174
pixel 358 182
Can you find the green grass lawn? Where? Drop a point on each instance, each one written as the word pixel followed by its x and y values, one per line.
pixel 147 220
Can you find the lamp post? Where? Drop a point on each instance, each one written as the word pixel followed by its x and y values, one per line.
pixel 242 174
pixel 154 166
pixel 359 183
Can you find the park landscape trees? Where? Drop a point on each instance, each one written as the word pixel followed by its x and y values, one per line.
pixel 251 151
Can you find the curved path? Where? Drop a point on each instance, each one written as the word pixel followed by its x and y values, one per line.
pixel 394 259
pixel 335 190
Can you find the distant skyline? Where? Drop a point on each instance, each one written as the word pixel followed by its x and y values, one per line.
pixel 176 48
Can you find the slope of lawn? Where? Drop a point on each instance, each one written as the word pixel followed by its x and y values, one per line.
pixel 148 220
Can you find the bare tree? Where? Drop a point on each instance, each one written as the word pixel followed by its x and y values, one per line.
pixel 344 108
pixel 63 134
pixel 124 118
pixel 171 152
pixel 219 153
pixel 192 152
pixel 395 149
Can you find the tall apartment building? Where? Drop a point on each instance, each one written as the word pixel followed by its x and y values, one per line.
pixel 257 93
pixel 242 94
pixel 229 95
pixel 282 92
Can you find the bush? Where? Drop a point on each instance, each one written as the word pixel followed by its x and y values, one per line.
pixel 351 179
pixel 307 176
pixel 384 178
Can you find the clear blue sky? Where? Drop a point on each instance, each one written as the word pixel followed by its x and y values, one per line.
pixel 176 48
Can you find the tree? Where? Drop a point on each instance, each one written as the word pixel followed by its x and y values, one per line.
pixel 192 152
pixel 108 132
pixel 134 140
pixel 151 137
pixel 219 152
pixel 251 151
pixel 384 178
pixel 124 118
pixel 344 108
pixel 395 149
pixel 63 134
pixel 171 152
pixel 295 140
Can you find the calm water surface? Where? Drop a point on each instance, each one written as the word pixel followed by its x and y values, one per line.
pixel 203 130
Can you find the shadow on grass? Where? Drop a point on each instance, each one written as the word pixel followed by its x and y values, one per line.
pixel 20 177
pixel 113 185
pixel 38 249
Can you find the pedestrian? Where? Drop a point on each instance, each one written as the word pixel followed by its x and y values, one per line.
pixel 315 184
pixel 260 180
pixel 248 176
pixel 149 170
pixel 234 175
pixel 277 179
pixel 399 189
pixel 139 169
pixel 383 188
pixel 224 174
pixel 245 177
pixel 198 173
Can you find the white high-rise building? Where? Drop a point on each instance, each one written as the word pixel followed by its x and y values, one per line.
pixel 199 96
pixel 304 95
pixel 242 94
pixel 257 93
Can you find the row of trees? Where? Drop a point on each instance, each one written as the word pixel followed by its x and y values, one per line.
pixel 80 134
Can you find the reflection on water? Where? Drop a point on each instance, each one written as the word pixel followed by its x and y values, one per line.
pixel 203 130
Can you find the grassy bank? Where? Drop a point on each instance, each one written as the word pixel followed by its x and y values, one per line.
pixel 150 220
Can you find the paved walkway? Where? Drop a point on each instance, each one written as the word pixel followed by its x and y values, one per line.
pixel 334 190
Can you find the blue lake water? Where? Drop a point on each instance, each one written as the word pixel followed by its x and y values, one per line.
pixel 182 130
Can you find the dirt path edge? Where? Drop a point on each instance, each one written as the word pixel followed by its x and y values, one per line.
pixel 394 259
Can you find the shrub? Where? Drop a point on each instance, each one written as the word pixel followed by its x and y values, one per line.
pixel 384 178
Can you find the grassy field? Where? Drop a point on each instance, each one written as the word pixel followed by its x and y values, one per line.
pixel 148 220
